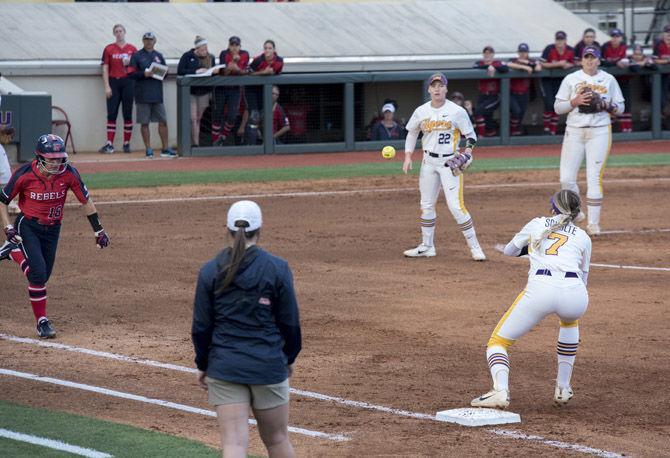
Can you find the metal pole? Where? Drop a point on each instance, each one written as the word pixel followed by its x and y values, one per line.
pixel 268 140
pixel 504 111
pixel 656 128
pixel 349 116
pixel 184 120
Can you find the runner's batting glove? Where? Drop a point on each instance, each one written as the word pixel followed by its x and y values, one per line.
pixel 12 234
pixel 101 239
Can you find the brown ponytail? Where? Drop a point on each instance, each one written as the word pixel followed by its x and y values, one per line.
pixel 227 273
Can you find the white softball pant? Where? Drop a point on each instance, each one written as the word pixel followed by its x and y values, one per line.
pixel 594 143
pixel 433 176
pixel 566 297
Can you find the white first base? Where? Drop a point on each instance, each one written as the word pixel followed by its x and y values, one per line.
pixel 471 416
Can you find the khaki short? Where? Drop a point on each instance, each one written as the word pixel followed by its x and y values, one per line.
pixel 259 397
pixel 150 112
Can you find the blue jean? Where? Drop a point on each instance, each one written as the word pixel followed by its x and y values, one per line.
pixel 40 243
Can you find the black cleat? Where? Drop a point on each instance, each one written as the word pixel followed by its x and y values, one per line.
pixel 44 328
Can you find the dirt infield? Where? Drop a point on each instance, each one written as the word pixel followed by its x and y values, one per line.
pixel 404 333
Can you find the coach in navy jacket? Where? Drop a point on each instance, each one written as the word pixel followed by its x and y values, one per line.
pixel 250 334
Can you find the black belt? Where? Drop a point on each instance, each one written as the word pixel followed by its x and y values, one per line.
pixel 548 272
pixel 437 155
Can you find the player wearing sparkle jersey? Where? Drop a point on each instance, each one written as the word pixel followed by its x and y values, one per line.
pixel 32 240
pixel 560 253
pixel 587 134
pixel 442 123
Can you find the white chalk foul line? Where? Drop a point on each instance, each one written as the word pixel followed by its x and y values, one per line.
pixel 52 444
pixel 158 402
pixel 345 192
pixel 557 444
pixel 311 394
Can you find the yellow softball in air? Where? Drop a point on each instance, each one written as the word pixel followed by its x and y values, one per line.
pixel 388 152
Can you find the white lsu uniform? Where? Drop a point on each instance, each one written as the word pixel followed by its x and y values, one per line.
pixel 587 134
pixel 442 129
pixel 5 170
pixel 555 280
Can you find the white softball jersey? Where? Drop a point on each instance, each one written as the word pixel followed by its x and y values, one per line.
pixel 567 249
pixel 603 83
pixel 442 127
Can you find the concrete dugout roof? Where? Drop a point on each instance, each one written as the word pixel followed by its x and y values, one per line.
pixel 310 36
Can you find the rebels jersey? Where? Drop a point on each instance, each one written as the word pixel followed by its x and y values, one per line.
pixel 521 85
pixel 661 50
pixel 567 249
pixel 260 63
pixel 41 197
pixel 242 61
pixel 552 54
pixel 113 56
pixel 603 83
pixel 442 127
pixel 490 86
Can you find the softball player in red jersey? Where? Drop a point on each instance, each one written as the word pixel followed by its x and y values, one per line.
pixel 442 123
pixel 560 253
pixel 42 188
pixel 587 134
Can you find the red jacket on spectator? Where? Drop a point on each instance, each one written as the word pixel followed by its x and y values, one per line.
pixel 259 63
pixel 490 86
pixel 551 54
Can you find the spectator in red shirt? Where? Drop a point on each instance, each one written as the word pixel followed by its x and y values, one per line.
pixel 266 64
pixel 588 39
pixel 119 89
pixel 520 87
pixel 227 98
pixel 555 56
pixel 280 122
pixel 661 56
pixel 614 54
pixel 489 93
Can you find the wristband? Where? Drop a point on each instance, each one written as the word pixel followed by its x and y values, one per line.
pixel 95 222
pixel 470 143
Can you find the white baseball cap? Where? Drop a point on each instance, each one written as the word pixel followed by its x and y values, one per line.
pixel 245 210
pixel 388 107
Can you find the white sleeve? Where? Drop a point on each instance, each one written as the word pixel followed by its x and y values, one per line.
pixel 414 123
pixel 410 140
pixel 465 125
pixel 562 106
pixel 564 91
pixel 616 96
pixel 522 238
pixel 511 249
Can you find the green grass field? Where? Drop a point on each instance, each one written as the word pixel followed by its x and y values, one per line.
pixel 111 438
pixel 380 168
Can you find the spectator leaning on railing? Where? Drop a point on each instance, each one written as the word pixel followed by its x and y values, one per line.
pixel 520 87
pixel 489 93
pixel 614 54
pixel 555 56
pixel 588 39
pixel 661 57
pixel 227 98
pixel 197 60
pixel 266 64
pixel 149 94
pixel 119 89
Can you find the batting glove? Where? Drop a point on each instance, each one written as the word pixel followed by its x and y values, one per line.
pixel 12 234
pixel 101 239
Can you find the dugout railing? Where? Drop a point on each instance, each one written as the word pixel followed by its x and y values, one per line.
pixel 343 93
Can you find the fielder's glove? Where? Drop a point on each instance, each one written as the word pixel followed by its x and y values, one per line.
pixel 459 162
pixel 101 239
pixel 7 135
pixel 12 234
pixel 596 104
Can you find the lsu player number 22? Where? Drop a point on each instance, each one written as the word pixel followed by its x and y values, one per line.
pixel 560 254
pixel 442 123
pixel 42 187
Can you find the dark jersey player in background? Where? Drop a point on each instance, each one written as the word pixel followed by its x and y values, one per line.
pixel 32 240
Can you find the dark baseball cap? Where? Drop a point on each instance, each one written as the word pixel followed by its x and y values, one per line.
pixel 616 33
pixel 234 40
pixel 488 48
pixel 437 77
pixel 523 47
pixel 561 35
pixel 666 28
pixel 149 36
pixel 593 50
